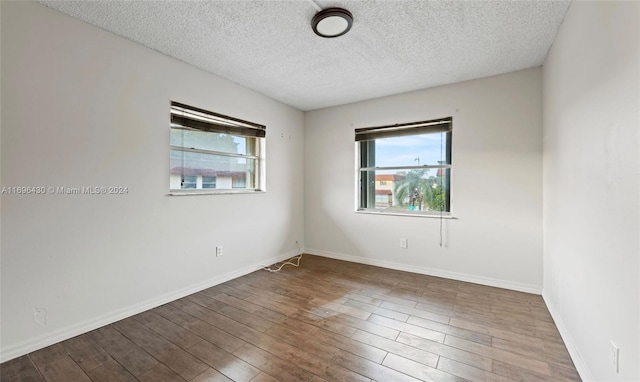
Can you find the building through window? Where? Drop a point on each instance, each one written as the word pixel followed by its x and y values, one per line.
pixel 214 152
pixel 405 168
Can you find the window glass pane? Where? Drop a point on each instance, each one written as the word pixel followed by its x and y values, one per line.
pixel 213 141
pixel 189 181
pixel 239 181
pixel 411 150
pixel 407 190
pixel 215 171
pixel 208 182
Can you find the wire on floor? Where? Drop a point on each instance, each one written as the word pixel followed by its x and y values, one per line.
pixel 295 261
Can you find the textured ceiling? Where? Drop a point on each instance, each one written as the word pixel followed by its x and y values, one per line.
pixel 393 47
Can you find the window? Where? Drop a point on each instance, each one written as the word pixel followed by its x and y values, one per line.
pixel 189 181
pixel 212 152
pixel 208 182
pixel 405 168
pixel 238 182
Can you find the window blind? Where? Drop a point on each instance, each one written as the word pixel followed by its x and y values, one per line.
pixel 397 130
pixel 188 117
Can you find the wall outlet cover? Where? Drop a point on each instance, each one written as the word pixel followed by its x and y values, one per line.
pixel 614 357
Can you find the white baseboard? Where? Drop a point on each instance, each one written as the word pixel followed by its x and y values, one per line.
pixel 28 346
pixel 574 352
pixel 429 271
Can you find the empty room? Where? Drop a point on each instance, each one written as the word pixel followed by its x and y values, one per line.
pixel 319 190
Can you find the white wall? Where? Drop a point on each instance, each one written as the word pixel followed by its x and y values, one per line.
pixel 83 107
pixel 496 184
pixel 591 186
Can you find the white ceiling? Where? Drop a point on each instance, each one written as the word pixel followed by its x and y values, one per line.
pixel 393 47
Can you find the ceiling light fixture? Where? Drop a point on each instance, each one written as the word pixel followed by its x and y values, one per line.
pixel 332 22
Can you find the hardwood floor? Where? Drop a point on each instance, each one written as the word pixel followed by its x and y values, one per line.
pixel 327 320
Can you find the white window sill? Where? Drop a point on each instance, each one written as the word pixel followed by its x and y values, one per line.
pixel 413 215
pixel 212 192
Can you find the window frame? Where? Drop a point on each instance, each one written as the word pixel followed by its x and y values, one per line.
pixel 189 118
pixel 366 196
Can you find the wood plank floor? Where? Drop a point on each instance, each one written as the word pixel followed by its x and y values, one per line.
pixel 327 320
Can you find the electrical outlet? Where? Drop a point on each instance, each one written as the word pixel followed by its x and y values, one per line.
pixel 218 251
pixel 614 356
pixel 403 242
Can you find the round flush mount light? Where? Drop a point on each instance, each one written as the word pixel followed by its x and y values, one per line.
pixel 332 22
